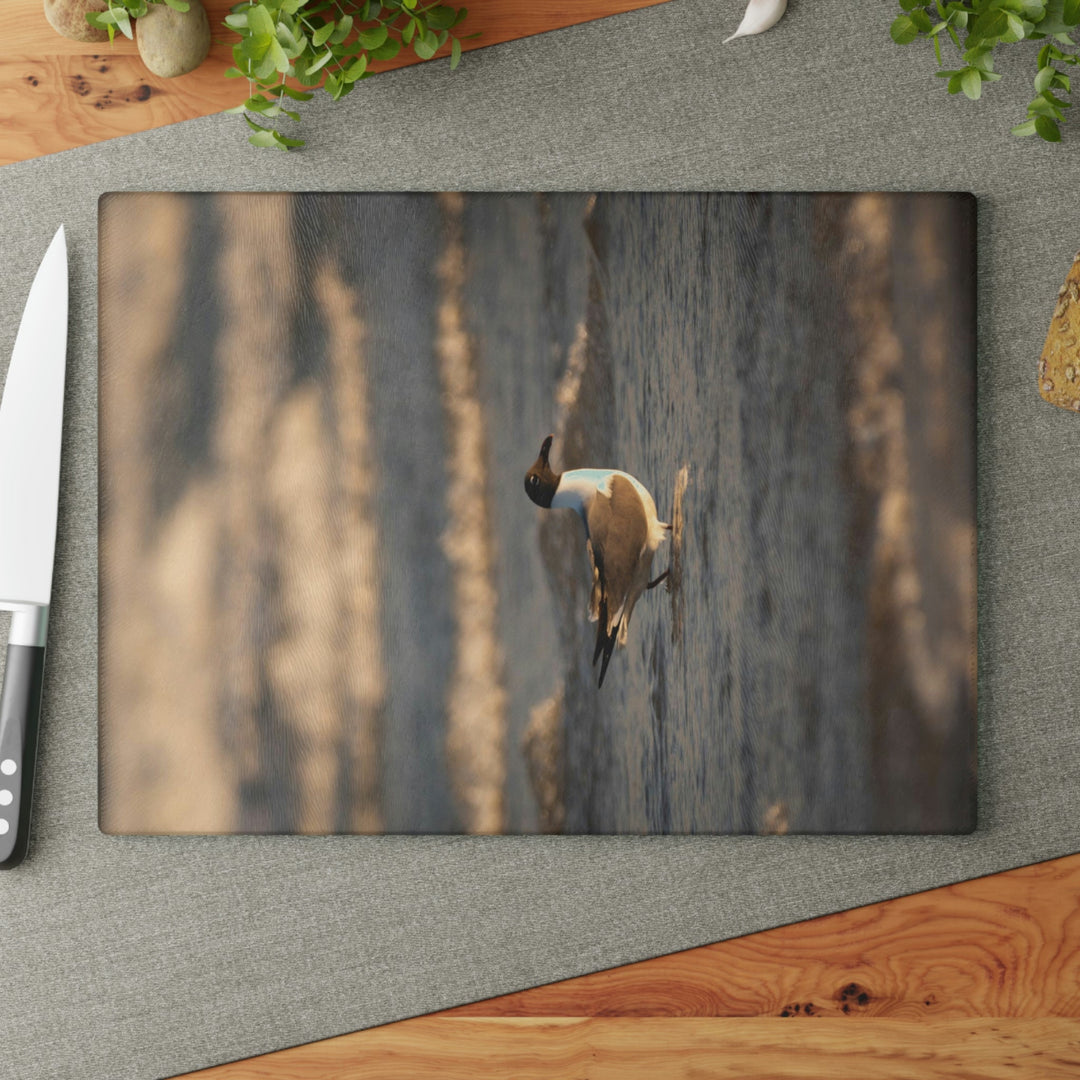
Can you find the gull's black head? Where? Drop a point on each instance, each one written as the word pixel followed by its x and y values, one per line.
pixel 540 481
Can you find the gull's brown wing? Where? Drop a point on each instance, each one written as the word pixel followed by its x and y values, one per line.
pixel 618 530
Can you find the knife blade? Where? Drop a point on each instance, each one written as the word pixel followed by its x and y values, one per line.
pixel 31 418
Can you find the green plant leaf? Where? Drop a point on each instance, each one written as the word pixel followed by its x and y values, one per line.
pixel 287 39
pixel 1014 28
pixel 1041 107
pixel 971 84
pixel 255 48
pixel 1047 129
pixel 441 17
pixel 320 63
pixel 1026 128
pixel 387 50
pixel 277 55
pixel 344 28
pixel 424 49
pixel 455 54
pixel 922 21
pixel 266 67
pixel 903 31
pixel 319 37
pixel 260 22
pixel 265 138
pixel 373 38
pixel 1043 79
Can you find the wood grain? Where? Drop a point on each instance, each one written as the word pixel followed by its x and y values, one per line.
pixel 56 93
pixel 678 1049
pixel 976 980
pixel 1000 946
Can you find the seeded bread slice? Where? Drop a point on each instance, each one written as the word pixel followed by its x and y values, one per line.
pixel 1059 367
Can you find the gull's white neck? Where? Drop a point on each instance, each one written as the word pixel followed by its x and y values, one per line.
pixel 578 487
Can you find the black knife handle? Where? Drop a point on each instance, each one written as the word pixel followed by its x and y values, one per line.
pixel 20 707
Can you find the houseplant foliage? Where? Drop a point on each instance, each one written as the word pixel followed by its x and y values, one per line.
pixel 119 14
pixel 327 44
pixel 978 27
pixel 173 36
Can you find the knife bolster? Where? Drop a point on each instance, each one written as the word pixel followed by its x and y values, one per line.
pixel 29 625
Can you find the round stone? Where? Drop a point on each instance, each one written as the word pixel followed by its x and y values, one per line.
pixel 173 42
pixel 68 17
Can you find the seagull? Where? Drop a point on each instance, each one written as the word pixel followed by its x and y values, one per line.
pixel 622 533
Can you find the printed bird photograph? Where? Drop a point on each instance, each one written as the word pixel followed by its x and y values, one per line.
pixel 622 533
pixel 736 595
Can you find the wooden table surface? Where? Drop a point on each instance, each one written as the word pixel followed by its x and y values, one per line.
pixel 56 93
pixel 980 979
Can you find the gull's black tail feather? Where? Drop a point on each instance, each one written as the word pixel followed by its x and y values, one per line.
pixel 605 642
pixel 609 646
pixel 601 631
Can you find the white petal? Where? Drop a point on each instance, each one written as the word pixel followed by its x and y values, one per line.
pixel 760 15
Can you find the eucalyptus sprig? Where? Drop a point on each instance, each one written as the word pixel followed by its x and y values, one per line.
pixel 985 24
pixel 119 13
pixel 327 44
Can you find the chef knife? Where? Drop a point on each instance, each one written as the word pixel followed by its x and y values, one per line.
pixel 30 422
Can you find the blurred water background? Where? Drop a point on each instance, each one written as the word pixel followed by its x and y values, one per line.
pixel 326 604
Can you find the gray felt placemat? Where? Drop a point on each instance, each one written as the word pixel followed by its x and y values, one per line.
pixel 142 957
